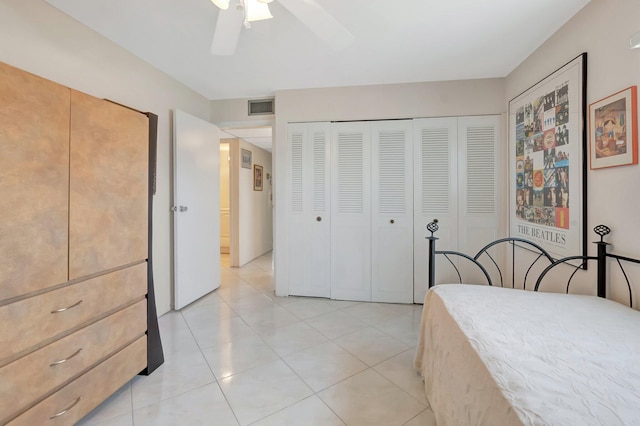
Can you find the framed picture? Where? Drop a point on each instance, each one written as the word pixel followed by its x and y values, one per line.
pixel 246 158
pixel 257 178
pixel 613 130
pixel 547 155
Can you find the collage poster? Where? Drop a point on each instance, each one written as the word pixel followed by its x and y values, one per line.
pixel 546 152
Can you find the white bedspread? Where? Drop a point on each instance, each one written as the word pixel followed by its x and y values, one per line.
pixel 497 356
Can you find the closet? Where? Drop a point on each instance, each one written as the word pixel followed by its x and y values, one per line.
pixel 74 244
pixel 456 182
pixel 361 193
pixel 349 216
pixel 308 214
pixel 371 214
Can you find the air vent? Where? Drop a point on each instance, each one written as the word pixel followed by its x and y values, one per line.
pixel 262 107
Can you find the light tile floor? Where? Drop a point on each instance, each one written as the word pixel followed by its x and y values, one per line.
pixel 242 356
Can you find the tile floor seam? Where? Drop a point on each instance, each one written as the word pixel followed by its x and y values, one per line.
pixel 199 347
pixel 226 398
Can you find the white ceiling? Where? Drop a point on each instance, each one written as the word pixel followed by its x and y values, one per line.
pixel 259 136
pixel 395 41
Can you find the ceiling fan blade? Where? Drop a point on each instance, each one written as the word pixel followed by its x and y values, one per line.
pixel 227 32
pixel 320 22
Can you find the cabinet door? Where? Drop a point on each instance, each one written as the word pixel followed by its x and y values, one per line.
pixel 309 220
pixel 34 179
pixel 108 185
pixel 351 211
pixel 436 195
pixel 392 212
pixel 478 198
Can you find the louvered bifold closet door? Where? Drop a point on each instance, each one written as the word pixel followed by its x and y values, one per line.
pixel 309 224
pixel 392 211
pixel 478 216
pixel 351 211
pixel 435 156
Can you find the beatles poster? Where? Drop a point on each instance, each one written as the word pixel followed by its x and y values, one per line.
pixel 547 161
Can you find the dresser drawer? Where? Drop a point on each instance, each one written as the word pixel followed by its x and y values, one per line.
pixel 24 381
pixel 79 397
pixel 42 319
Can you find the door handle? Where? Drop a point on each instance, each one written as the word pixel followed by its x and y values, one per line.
pixel 183 208
pixel 392 221
pixel 319 219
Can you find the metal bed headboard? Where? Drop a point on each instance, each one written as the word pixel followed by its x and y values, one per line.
pixel 540 255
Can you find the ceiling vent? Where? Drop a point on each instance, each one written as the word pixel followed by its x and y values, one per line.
pixel 262 106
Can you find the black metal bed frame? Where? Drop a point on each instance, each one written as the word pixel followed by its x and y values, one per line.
pixel 540 255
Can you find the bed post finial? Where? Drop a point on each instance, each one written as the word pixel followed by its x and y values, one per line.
pixel 602 230
pixel 432 227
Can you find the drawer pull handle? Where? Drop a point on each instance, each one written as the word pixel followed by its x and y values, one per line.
pixel 65 410
pixel 62 361
pixel 57 311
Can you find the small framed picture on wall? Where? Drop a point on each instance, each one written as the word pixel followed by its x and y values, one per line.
pixel 613 130
pixel 246 158
pixel 257 177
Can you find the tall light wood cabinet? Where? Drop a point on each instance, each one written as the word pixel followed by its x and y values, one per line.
pixel 108 186
pixel 73 247
pixel 34 183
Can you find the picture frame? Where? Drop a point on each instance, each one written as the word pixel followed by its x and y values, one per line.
pixel 613 130
pixel 246 158
pixel 548 161
pixel 257 177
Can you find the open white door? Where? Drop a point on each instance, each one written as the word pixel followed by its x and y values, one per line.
pixel 196 195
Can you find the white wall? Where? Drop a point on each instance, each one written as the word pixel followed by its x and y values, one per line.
pixel 438 99
pixel 251 211
pixel 38 38
pixel 602 29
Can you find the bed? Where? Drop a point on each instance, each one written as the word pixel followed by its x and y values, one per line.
pixel 491 355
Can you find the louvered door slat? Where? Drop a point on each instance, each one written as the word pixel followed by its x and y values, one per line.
pixel 392 212
pixel 481 168
pixel 392 172
pixel 436 193
pixel 435 184
pixel 296 164
pixel 308 238
pixel 478 221
pixel 319 171
pixel 350 173
pixel 351 211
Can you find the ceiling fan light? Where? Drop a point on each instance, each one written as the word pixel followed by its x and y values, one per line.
pixel 256 11
pixel 634 41
pixel 222 4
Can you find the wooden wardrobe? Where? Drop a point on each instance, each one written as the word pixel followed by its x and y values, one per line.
pixel 77 314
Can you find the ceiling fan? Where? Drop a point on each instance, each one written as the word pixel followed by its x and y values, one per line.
pixel 231 21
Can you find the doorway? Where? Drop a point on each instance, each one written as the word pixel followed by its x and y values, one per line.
pixel 246 153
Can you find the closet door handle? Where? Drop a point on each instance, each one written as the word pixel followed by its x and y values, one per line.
pixel 319 219
pixel 66 409
pixel 57 311
pixel 392 221
pixel 62 361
